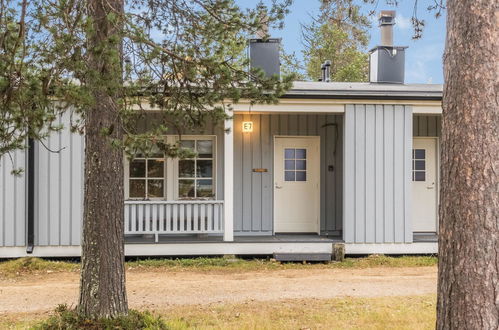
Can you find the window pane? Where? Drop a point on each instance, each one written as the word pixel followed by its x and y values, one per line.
pixel 419 176
pixel 186 168
pixel 419 154
pixel 204 168
pixel 301 153
pixel 289 153
pixel 419 165
pixel 155 168
pixel 156 152
pixel 205 148
pixel 289 175
pixel 186 188
pixel 187 144
pixel 289 164
pixel 137 189
pixel 301 176
pixel 301 164
pixel 138 168
pixel 205 188
pixel 155 188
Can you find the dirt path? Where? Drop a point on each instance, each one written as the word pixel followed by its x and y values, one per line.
pixel 160 290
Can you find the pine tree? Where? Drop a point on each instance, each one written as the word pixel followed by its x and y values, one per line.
pixel 107 60
pixel 338 34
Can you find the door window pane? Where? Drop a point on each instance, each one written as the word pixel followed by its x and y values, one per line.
pixel 301 164
pixel 419 176
pixel 289 175
pixel 301 153
pixel 418 165
pixel 419 154
pixel 301 176
pixel 295 164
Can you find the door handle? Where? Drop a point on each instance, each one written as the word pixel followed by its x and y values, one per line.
pixel 431 186
pixel 278 187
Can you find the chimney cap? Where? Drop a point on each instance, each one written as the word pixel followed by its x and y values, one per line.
pixel 387 17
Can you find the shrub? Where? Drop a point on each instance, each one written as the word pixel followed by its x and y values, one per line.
pixel 66 318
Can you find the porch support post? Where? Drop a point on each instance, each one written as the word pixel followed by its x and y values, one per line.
pixel 229 178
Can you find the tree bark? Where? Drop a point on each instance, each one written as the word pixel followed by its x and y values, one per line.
pixel 468 281
pixel 102 283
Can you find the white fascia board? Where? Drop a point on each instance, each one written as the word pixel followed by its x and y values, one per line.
pixel 392 248
pixel 427 109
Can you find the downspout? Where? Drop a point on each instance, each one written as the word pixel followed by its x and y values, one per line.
pixel 31 197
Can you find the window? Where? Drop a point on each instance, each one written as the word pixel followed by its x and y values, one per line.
pixel 160 177
pixel 295 164
pixel 418 165
pixel 147 176
pixel 196 175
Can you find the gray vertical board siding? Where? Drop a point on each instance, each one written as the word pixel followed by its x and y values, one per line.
pixel 427 125
pixel 12 200
pixel 376 190
pixel 253 193
pixel 59 187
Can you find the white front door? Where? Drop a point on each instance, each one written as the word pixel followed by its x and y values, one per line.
pixel 424 185
pixel 296 184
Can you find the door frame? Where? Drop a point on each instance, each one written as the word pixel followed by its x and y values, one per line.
pixel 274 137
pixel 436 139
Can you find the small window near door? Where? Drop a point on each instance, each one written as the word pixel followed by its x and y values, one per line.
pixel 418 165
pixel 295 164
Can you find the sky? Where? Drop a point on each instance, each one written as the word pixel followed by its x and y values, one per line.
pixel 423 63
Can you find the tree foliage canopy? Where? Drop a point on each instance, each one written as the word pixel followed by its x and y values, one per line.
pixel 185 59
pixel 338 34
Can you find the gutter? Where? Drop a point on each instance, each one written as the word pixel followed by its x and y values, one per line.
pixel 31 197
pixel 360 96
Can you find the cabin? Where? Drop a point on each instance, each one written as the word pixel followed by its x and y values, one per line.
pixel 350 163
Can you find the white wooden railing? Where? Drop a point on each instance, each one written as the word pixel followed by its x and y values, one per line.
pixel 173 217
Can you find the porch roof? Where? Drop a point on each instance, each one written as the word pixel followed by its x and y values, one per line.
pixel 358 90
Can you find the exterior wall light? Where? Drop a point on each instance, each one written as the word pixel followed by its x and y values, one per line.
pixel 247 126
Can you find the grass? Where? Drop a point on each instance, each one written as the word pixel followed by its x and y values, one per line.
pixel 30 265
pixel 413 312
pixel 407 312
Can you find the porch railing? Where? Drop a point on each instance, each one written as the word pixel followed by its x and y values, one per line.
pixel 173 217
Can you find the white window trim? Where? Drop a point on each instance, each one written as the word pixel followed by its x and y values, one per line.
pixel 171 171
pixel 214 169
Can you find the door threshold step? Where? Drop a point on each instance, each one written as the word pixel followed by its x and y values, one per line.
pixel 302 256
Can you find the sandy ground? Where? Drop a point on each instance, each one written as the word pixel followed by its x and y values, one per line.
pixel 161 290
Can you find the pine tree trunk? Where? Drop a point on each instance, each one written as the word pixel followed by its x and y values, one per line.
pixel 102 283
pixel 468 281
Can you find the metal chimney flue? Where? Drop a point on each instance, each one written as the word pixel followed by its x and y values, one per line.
pixel 386 23
pixel 386 61
pixel 326 71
